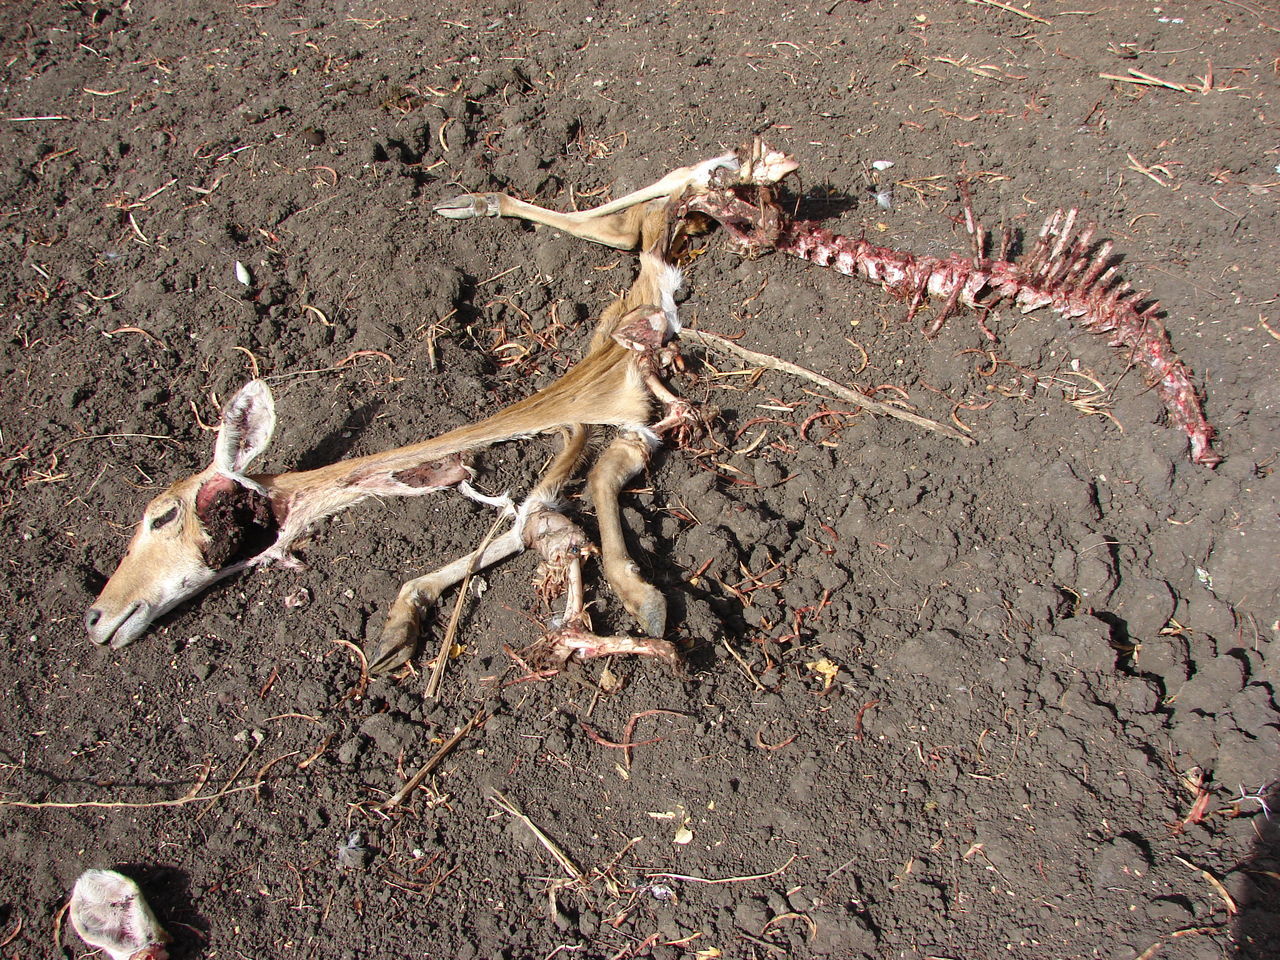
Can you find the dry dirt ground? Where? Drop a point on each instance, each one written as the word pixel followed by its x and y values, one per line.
pixel 1014 699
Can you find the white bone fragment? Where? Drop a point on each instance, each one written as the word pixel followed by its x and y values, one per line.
pixel 109 912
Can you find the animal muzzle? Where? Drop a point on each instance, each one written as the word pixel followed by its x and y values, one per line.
pixel 132 600
pixel 118 628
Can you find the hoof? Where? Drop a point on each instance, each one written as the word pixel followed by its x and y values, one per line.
pixel 650 612
pixel 467 206
pixel 394 648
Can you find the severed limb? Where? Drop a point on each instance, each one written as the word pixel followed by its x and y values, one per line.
pixel 621 460
pixel 562 545
pixel 646 332
pixel 616 224
pixel 541 526
pixel 402 631
pixel 400 635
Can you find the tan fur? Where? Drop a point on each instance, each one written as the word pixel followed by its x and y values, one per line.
pixel 164 566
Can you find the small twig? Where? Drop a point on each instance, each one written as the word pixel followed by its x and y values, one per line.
pixel 157 191
pixel 1011 9
pixel 1258 797
pixel 445 748
pixel 137 231
pixel 770 747
pixel 757 876
pixel 629 731
pixel 498 276
pixel 1232 909
pixel 13 935
pixel 858 730
pixel 253 361
pixel 260 777
pixel 191 796
pixel 1149 172
pixel 109 334
pixel 58 919
pixel 596 737
pixel 742 663
pixel 844 393
pixel 1147 80
pixel 114 436
pixel 560 856
pixel 605 873
pixel 317 753
pixel 54 156
pixel 364 353
pixel 357 691
pixel 232 779
pixel 451 631
pixel 320 314
pixel 776 920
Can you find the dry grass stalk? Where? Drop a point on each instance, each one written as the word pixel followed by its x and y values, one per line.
pixel 575 872
pixel 429 767
pixel 844 393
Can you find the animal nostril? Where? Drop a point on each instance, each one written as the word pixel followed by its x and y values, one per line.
pixel 92 617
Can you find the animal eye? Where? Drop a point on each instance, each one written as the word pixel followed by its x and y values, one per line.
pixel 164 518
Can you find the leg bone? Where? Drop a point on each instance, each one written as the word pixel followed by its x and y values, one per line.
pixel 615 224
pixel 402 631
pixel 563 546
pixel 622 460
pixel 560 646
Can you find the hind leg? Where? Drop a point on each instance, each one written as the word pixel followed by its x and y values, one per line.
pixel 615 224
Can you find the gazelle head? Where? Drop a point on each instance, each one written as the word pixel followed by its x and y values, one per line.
pixel 198 531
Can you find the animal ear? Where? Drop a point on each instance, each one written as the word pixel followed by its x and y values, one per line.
pixel 248 421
